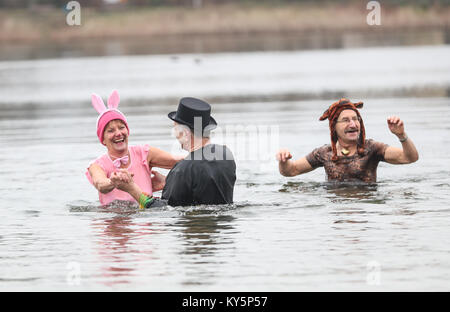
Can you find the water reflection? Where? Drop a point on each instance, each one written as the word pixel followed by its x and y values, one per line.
pixel 338 191
pixel 361 192
pixel 120 248
pixel 202 233
pixel 205 235
pixel 346 196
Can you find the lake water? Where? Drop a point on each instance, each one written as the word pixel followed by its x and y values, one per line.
pixel 281 234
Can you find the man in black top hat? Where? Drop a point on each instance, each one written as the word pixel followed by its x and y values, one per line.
pixel 207 175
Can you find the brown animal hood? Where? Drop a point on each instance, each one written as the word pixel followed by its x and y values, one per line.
pixel 333 112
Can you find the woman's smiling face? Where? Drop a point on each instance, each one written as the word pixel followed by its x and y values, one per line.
pixel 115 137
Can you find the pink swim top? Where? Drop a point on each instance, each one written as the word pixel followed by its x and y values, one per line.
pixel 137 164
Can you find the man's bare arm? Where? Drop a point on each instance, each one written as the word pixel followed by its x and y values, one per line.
pixel 405 155
pixel 290 168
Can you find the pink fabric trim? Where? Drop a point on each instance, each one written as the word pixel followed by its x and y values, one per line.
pixel 138 166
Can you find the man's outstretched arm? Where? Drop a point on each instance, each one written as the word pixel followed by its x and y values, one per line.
pixel 290 168
pixel 405 155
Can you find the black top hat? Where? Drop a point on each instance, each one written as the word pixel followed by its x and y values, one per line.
pixel 188 108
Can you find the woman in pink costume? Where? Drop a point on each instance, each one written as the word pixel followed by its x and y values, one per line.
pixel 105 172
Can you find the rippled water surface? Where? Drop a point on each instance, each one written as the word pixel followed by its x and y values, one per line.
pixel 281 234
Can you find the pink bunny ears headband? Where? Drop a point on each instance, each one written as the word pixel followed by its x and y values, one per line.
pixel 107 114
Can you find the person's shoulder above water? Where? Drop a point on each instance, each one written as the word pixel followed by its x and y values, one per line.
pixel 220 152
pixel 371 143
pixel 375 147
pixel 211 152
pixel 319 155
pixel 324 148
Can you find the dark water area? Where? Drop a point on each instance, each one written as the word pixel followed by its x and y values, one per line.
pixel 198 44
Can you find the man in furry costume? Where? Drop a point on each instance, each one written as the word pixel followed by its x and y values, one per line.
pixel 350 156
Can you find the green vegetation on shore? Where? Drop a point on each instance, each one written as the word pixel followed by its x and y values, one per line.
pixel 49 23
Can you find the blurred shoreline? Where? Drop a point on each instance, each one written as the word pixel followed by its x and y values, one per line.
pixel 44 24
